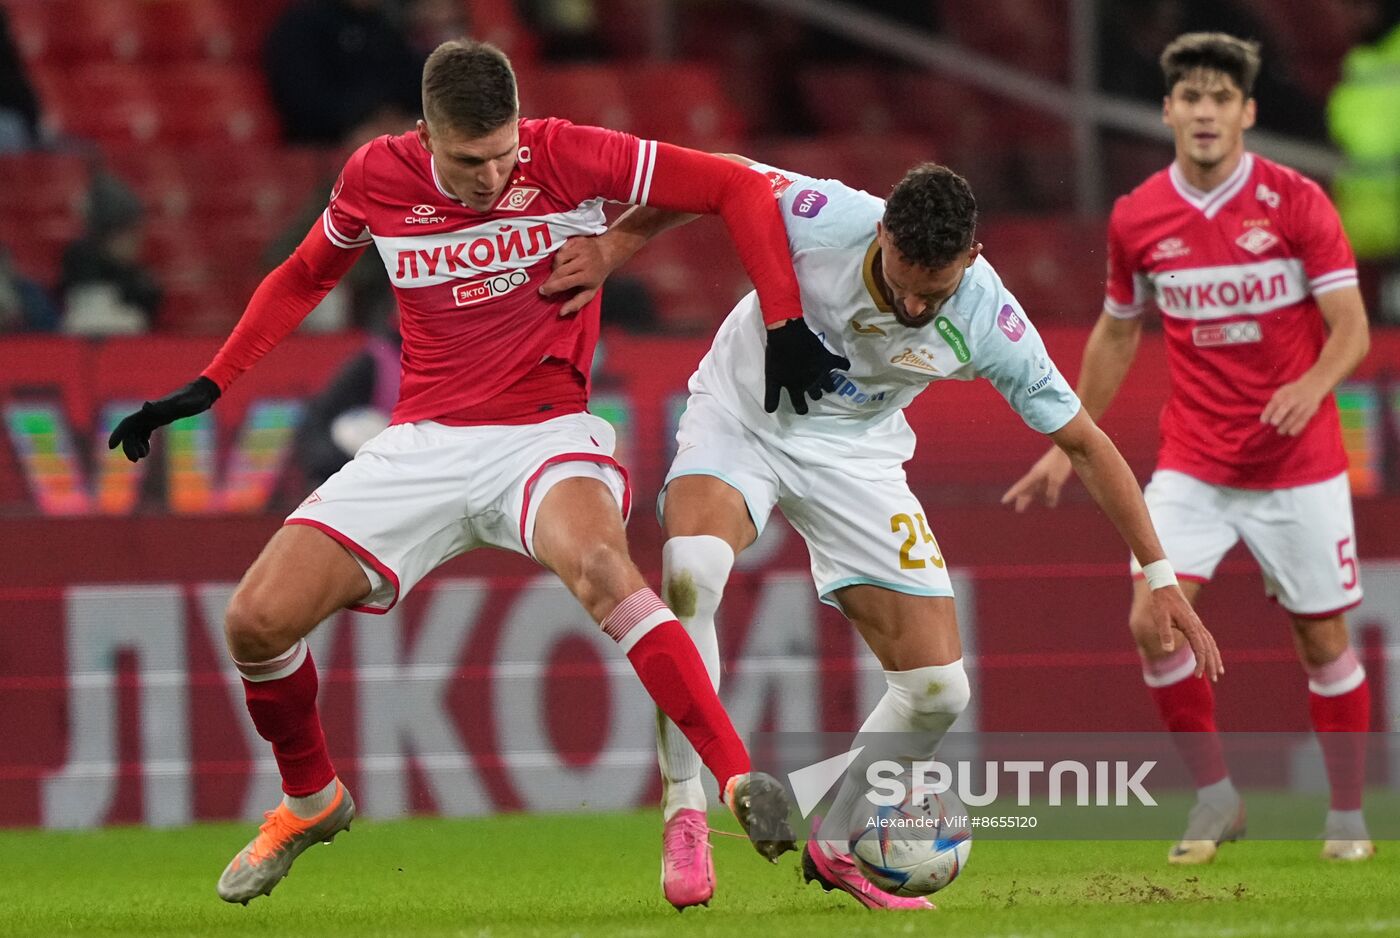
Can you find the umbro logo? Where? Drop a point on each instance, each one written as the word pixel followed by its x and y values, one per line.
pixel 1257 240
pixel 862 329
pixel 1168 248
pixel 913 359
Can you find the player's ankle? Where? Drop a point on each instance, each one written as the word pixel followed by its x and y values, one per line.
pixel 308 806
pixel 1218 793
pixel 687 795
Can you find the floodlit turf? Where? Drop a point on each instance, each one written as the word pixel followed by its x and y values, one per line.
pixel 597 875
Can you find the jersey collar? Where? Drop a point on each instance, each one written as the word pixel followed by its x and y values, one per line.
pixel 868 270
pixel 1210 203
pixel 432 168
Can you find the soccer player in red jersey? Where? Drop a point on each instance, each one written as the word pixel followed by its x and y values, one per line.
pixel 1256 283
pixel 490 443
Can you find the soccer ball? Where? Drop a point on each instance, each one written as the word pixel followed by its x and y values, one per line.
pixel 914 848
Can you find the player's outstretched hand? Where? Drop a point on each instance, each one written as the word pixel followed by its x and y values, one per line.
pixel 581 265
pixel 1043 483
pixel 798 362
pixel 1172 612
pixel 1292 406
pixel 133 434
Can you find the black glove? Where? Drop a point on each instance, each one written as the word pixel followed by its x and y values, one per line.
pixel 798 361
pixel 134 431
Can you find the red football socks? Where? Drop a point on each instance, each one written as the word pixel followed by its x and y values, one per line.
pixel 672 671
pixel 1187 706
pixel 1339 701
pixel 281 696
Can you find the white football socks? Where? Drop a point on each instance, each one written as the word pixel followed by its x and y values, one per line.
pixel 311 805
pixel 1345 825
pixel 1219 794
pixel 693 573
pixel 919 706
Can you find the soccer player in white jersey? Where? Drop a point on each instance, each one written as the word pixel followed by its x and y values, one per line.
pixel 490 443
pixel 1256 284
pixel 901 290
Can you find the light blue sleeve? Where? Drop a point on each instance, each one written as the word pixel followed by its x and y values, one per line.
pixel 822 213
pixel 1008 351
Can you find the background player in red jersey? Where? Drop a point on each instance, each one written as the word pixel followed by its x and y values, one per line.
pixel 1256 284
pixel 490 443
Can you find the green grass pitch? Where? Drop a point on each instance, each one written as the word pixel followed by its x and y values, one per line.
pixel 598 875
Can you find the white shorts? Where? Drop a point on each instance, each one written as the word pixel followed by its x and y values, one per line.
pixel 1302 537
pixel 419 494
pixel 861 523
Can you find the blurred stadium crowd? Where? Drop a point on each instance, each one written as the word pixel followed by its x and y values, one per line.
pixel 159 156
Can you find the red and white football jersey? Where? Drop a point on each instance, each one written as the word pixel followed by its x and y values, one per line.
pixel 1234 272
pixel 467 282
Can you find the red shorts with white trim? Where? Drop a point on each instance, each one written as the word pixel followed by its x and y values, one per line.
pixel 421 493
pixel 1303 537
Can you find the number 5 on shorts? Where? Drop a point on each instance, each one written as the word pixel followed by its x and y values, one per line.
pixel 915 530
pixel 1346 559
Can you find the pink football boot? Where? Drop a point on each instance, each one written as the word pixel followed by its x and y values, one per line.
pixel 687 870
pixel 841 873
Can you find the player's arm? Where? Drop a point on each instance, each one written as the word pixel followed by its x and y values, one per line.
pixel 582 264
pixel 1106 475
pixel 279 304
pixel 1348 341
pixel 687 182
pixel 1108 355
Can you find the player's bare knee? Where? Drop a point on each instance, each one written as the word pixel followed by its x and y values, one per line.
pixel 1321 641
pixel 605 574
pixel 252 631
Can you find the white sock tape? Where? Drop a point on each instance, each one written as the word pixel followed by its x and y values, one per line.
pixel 1159 573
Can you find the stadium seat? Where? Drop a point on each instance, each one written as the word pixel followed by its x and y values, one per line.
pixel 210 102
pixel 626 28
pixel 496 21
pixel 852 99
pixel 37 247
pixel 584 94
pixel 205 280
pixel 1054 264
pixel 41 208
pixel 40 184
pixel 265 185
pixel 72 32
pixel 694 275
pixel 1027 34
pixel 190 30
pixel 1017 158
pixel 108 102
pixel 681 103
pixel 851 159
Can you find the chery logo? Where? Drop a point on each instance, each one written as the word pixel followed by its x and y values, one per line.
pixel 424 210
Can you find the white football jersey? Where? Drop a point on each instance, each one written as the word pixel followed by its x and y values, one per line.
pixel 980 332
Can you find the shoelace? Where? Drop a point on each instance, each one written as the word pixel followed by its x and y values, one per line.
pixel 680 850
pixel 273 835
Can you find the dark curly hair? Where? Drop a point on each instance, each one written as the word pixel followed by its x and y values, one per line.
pixel 1212 52
pixel 931 216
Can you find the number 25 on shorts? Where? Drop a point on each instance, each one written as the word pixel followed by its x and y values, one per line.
pixel 916 527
